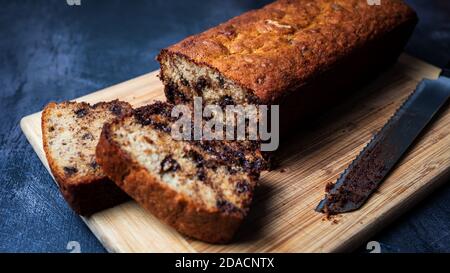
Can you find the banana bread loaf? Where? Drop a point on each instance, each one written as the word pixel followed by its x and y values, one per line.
pixel 201 188
pixel 297 53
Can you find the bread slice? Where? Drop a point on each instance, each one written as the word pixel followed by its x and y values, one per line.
pixel 70 133
pixel 201 188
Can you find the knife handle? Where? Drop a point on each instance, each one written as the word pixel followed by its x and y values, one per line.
pixel 446 71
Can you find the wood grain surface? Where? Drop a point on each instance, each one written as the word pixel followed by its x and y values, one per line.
pixel 282 218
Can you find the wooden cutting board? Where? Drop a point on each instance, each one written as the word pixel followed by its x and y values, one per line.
pixel 282 218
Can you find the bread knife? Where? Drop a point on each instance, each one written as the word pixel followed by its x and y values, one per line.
pixel 365 174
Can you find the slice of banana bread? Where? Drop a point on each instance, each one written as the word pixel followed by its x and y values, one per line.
pixel 201 188
pixel 70 133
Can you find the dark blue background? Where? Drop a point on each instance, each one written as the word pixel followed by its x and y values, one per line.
pixel 52 51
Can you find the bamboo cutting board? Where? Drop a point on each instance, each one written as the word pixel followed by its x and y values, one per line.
pixel 282 218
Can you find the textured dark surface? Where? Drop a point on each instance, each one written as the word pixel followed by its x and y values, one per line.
pixel 52 51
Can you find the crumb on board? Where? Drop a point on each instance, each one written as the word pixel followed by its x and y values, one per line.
pixel 284 170
pixel 333 218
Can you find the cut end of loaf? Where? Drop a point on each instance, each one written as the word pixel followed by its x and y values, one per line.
pixel 184 79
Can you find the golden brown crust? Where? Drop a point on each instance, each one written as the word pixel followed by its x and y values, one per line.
pixel 287 44
pixel 171 207
pixel 90 193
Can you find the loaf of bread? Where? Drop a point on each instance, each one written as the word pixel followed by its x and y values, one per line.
pixel 201 188
pixel 300 54
pixel 70 133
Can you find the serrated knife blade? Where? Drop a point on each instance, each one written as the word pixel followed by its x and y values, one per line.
pixel 385 149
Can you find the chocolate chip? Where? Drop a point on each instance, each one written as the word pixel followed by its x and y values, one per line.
pixel 201 174
pixel 196 157
pixel 232 170
pixel 207 147
pixel 94 165
pixel 170 90
pixel 116 109
pixel 252 99
pixel 51 129
pixel 211 164
pixel 225 206
pixel 169 165
pixel 240 156
pixel 142 120
pixel 200 85
pixel 184 82
pixel 242 187
pixel 81 112
pixel 162 127
pixel 221 82
pixel 182 98
pixel 87 136
pixel 226 100
pixel 259 165
pixel 70 171
pixel 173 94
